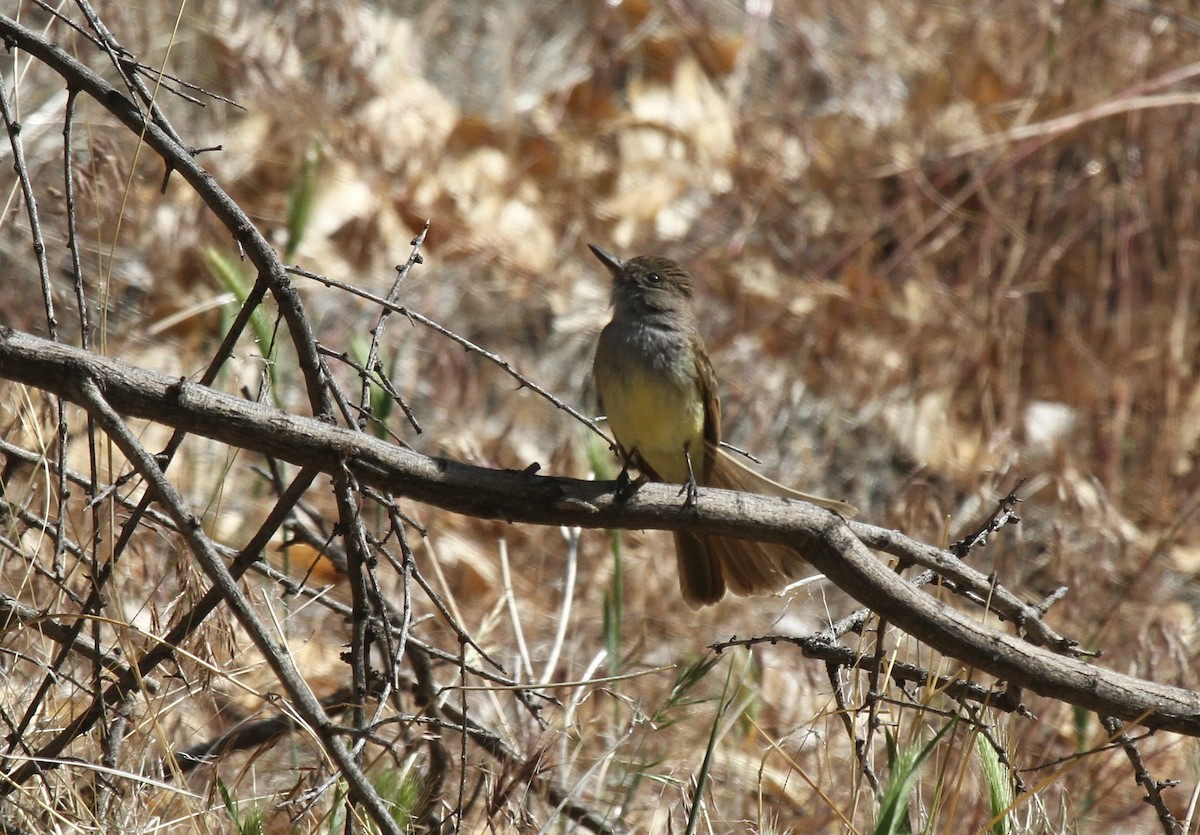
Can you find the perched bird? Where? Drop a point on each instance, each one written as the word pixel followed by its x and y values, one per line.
pixel 659 394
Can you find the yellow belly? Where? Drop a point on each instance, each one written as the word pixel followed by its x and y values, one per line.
pixel 657 415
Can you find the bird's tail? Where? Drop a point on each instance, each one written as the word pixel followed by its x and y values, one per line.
pixel 724 470
pixel 708 565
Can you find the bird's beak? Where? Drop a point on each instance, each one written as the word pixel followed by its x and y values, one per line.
pixel 610 261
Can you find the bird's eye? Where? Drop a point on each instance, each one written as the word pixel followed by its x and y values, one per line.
pixel 654 278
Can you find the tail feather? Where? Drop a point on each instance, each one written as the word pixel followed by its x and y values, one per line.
pixel 700 576
pixel 754 568
pixel 710 564
pixel 724 470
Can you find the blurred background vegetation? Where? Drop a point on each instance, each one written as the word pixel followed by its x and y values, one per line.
pixel 938 247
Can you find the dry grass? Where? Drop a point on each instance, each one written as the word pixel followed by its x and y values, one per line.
pixel 937 251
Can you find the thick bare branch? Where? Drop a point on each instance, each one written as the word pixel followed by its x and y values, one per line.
pixel 826 540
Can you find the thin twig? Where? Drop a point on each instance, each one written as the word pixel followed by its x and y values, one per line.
pixel 1154 788
pixel 464 342
pixel 281 663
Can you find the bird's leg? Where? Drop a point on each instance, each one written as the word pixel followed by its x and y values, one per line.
pixel 690 488
pixel 627 486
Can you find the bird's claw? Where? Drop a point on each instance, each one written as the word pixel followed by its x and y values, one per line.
pixel 690 492
pixel 627 486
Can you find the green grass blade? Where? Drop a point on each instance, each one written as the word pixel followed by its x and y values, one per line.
pixel 999 785
pixel 904 769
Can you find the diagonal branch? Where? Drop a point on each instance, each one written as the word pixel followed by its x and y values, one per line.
pixel 300 696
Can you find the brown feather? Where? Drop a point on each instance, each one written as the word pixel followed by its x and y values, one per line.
pixel 701 578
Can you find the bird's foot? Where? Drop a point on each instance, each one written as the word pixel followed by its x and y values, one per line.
pixel 690 492
pixel 627 486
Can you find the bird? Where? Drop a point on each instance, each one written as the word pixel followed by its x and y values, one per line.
pixel 658 393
